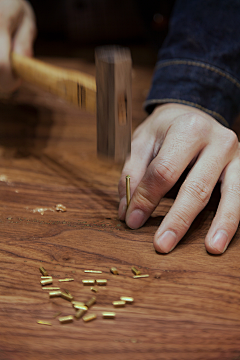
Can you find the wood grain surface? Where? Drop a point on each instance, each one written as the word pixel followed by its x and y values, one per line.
pixel 188 308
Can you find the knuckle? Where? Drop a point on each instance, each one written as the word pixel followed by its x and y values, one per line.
pixel 229 140
pixel 163 172
pixel 197 190
pixel 144 200
pixel 181 219
pixel 196 123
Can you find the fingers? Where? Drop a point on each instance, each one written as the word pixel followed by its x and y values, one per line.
pixel 194 195
pixel 177 151
pixel 147 140
pixel 227 218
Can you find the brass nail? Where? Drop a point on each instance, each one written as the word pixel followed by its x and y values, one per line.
pixel 88 282
pixel 80 313
pixel 94 289
pixel 90 302
pixel 66 296
pixel 66 319
pixel 128 194
pixel 89 317
pixel 141 276
pixel 127 299
pixel 114 271
pixel 44 322
pixel 43 271
pixel 119 303
pixel 135 271
pixel 80 307
pixel 46 282
pixel 66 280
pixel 55 293
pixel 108 315
pixel 80 303
pixel 51 288
pixel 101 282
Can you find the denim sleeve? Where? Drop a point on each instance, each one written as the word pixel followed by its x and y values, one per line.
pixel 199 62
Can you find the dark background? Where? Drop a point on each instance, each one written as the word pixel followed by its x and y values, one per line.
pixel 71 28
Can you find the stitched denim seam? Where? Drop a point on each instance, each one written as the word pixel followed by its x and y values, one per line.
pixel 185 102
pixel 199 64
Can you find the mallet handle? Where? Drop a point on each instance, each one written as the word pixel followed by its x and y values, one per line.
pixel 73 86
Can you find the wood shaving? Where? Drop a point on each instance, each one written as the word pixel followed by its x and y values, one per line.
pixel 61 208
pixel 42 210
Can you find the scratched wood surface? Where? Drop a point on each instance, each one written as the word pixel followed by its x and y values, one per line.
pixel 188 308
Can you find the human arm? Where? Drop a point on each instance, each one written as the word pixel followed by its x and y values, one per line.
pixel 196 70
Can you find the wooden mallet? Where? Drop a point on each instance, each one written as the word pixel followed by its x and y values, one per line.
pixel 109 94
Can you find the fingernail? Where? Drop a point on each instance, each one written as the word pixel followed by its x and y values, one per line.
pixel 136 219
pixel 220 241
pixel 167 241
pixel 122 209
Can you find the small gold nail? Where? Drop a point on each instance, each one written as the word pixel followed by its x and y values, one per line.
pixel 88 282
pixel 80 313
pixel 51 288
pixel 127 299
pixel 80 307
pixel 66 319
pixel 43 271
pixel 55 293
pixel 135 271
pixel 90 302
pixel 119 303
pixel 66 280
pixel 94 289
pixel 66 296
pixel 89 317
pixel 128 194
pixel 46 282
pixel 44 322
pixel 101 282
pixel 141 276
pixel 80 303
pixel 114 271
pixel 108 315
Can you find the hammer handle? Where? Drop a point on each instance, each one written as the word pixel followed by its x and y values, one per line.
pixel 73 86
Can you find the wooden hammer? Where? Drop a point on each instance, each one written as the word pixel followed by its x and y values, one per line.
pixel 111 91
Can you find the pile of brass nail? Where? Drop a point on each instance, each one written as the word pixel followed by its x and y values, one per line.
pixel 80 307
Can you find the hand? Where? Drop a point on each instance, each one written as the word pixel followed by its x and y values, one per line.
pixel 170 139
pixel 17 33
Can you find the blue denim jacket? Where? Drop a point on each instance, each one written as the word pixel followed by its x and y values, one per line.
pixel 199 62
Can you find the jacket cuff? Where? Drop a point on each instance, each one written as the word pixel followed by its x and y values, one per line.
pixel 196 84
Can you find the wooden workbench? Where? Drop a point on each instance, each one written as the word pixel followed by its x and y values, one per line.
pixel 188 308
